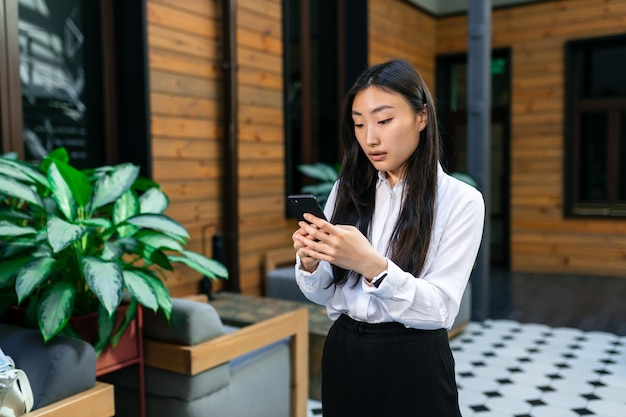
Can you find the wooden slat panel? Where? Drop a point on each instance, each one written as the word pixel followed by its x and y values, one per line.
pixel 185 127
pixel 253 206
pixel 399 30
pixel 251 260
pixel 261 151
pixel 183 43
pixel 259 169
pixel 265 79
pixel 254 96
pixel 191 189
pixel 562 249
pixel 592 232
pixel 253 115
pixel 267 222
pixel 269 8
pixel 567 264
pixel 174 62
pixel 264 41
pixel 193 210
pixel 261 133
pixel 249 282
pixel 184 85
pixel 266 25
pixel 254 59
pixel 180 20
pixel 198 7
pixel 176 105
pixel 165 170
pixel 262 186
pixel 182 148
pixel 258 242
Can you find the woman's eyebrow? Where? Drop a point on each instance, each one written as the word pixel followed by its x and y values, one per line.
pixel 376 110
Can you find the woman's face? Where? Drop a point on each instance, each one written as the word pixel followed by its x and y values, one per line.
pixel 387 130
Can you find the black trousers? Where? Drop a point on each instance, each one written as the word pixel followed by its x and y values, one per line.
pixel 387 370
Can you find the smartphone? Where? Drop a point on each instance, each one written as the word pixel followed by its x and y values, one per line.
pixel 298 204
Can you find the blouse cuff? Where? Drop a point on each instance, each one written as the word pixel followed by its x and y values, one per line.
pixel 389 285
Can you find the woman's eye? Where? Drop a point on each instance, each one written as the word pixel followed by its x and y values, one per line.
pixel 384 122
pixel 357 125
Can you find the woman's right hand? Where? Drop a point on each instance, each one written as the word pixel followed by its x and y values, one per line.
pixel 307 262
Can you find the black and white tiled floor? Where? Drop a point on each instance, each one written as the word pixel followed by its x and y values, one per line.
pixel 508 369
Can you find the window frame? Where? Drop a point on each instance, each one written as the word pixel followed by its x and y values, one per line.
pixel 575 107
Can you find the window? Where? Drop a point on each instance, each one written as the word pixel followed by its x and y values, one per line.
pixel 60 72
pixel 73 74
pixel 325 51
pixel 596 127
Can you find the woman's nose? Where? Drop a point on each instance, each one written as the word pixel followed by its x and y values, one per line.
pixel 372 137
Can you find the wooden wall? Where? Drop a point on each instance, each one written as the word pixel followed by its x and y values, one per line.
pixel 399 30
pixel 262 223
pixel 185 89
pixel 183 55
pixel 542 239
pixel 184 41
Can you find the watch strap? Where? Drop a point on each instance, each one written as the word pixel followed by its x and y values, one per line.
pixel 378 279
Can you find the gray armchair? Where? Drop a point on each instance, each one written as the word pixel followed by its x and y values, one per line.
pixel 199 367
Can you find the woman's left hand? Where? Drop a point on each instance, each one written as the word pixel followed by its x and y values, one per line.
pixel 341 245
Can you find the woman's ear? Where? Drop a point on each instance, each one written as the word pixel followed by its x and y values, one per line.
pixel 423 115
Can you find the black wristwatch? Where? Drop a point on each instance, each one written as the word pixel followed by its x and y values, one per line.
pixel 378 279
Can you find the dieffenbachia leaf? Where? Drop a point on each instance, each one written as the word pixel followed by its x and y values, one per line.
pixel 61 234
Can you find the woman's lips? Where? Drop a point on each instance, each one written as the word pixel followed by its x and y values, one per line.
pixel 378 156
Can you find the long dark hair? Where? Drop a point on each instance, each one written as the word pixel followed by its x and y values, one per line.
pixel 357 178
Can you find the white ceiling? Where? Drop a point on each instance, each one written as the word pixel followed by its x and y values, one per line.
pixel 446 7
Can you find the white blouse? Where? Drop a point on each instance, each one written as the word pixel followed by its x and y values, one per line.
pixel 429 301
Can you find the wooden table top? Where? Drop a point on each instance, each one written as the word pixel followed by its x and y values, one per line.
pixel 237 309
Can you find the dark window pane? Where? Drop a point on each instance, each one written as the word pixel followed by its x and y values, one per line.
pixel 602 70
pixel 458 86
pixel 622 159
pixel 60 70
pixel 592 157
pixel 500 90
pixel 499 84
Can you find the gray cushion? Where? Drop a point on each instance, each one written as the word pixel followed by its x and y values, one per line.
pixel 259 387
pixel 171 384
pixel 281 284
pixel 58 369
pixel 192 322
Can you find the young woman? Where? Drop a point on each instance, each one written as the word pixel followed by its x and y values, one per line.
pixel 392 264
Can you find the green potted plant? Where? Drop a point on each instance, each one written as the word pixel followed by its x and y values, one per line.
pixel 326 176
pixel 74 242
